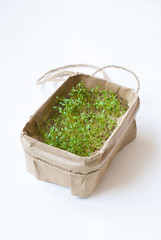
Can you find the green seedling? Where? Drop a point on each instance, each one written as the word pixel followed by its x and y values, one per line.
pixel 83 122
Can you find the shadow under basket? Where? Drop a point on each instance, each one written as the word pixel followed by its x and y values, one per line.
pixel 80 174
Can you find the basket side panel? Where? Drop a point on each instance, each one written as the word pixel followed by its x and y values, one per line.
pixel 46 172
pixel 84 185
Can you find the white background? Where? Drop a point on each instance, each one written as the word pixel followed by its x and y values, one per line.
pixel 36 36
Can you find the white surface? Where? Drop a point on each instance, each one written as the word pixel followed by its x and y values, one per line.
pixel 36 36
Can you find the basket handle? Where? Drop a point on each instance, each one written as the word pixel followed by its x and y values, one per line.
pixel 53 76
pixel 125 69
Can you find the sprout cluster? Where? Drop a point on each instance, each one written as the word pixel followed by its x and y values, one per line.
pixel 83 122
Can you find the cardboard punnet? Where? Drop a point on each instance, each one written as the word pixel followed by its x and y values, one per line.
pixel 80 174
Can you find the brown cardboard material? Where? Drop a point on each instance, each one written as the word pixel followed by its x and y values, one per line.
pixel 80 174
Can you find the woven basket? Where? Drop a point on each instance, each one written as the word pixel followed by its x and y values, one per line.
pixel 80 174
